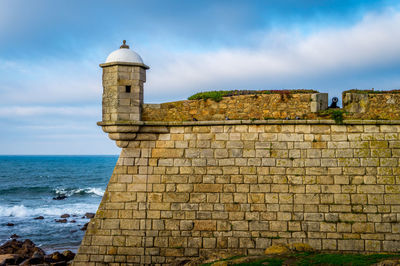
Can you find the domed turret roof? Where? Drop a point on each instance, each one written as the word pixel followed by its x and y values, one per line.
pixel 124 54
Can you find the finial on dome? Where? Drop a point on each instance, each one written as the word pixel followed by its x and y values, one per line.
pixel 124 45
pixel 124 55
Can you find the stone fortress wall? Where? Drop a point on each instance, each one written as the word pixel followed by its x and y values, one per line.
pixel 188 189
pixel 238 175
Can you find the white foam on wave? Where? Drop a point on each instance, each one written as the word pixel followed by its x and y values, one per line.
pixel 15 211
pixel 22 211
pixel 90 190
pixel 97 191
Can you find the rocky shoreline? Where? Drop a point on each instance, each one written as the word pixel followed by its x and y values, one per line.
pixel 15 252
pixel 24 253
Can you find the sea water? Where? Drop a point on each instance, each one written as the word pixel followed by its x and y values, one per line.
pixel 28 185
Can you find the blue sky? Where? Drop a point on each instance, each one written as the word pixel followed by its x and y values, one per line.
pixel 50 82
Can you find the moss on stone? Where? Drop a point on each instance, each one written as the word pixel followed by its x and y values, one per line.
pixel 217 95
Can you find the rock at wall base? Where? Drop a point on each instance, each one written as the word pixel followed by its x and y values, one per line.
pixel 277 250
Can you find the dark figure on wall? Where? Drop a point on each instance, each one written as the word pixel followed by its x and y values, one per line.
pixel 334 103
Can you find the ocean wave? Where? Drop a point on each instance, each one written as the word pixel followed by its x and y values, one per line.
pixel 79 191
pixel 50 211
pixel 95 191
pixel 16 190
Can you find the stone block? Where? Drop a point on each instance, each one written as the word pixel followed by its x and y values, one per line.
pixel 102 240
pixel 342 199
pixel 205 225
pixel 363 228
pixel 209 242
pixel 290 137
pixel 320 129
pixel 278 226
pixel 351 245
pixel 319 102
pixel 177 242
pixel 372 245
pixel 256 198
pixel 224 226
pixel 302 128
pixel 208 188
pixel 167 153
pixel 175 197
pixel 246 243
pixel 391 246
pixel 194 242
pixel 329 244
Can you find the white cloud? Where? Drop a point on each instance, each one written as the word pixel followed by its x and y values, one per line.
pixel 27 111
pixel 50 81
pixel 285 59
pixel 282 59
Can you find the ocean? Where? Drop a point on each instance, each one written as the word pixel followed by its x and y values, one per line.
pixel 28 185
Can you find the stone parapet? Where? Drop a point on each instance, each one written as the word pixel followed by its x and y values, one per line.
pixel 367 105
pixel 254 107
pixel 372 105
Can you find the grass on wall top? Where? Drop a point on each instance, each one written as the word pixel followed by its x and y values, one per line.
pixel 217 95
pixel 371 91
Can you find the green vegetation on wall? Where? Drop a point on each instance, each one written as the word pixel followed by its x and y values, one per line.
pixel 217 95
pixel 371 91
pixel 335 114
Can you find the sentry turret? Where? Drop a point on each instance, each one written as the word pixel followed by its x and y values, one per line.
pixel 124 74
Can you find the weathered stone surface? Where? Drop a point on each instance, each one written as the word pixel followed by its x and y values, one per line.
pixel 204 188
pixel 264 106
pixel 373 106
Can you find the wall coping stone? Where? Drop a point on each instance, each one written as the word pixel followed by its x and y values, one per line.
pixel 248 122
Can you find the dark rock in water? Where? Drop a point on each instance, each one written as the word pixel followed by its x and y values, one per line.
pixel 31 261
pixel 48 258
pixel 74 215
pixel 68 255
pixel 72 221
pixel 10 259
pixel 10 224
pixel 38 252
pixel 63 221
pixel 38 218
pixel 73 231
pixel 60 263
pixel 66 215
pixel 10 246
pixel 89 215
pixel 24 249
pixel 60 197
pixel 57 257
pixel 37 255
pixel 14 236
pixel 84 227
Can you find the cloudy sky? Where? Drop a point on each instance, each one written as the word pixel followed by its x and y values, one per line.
pixel 50 82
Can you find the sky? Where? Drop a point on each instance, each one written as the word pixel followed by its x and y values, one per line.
pixel 50 51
